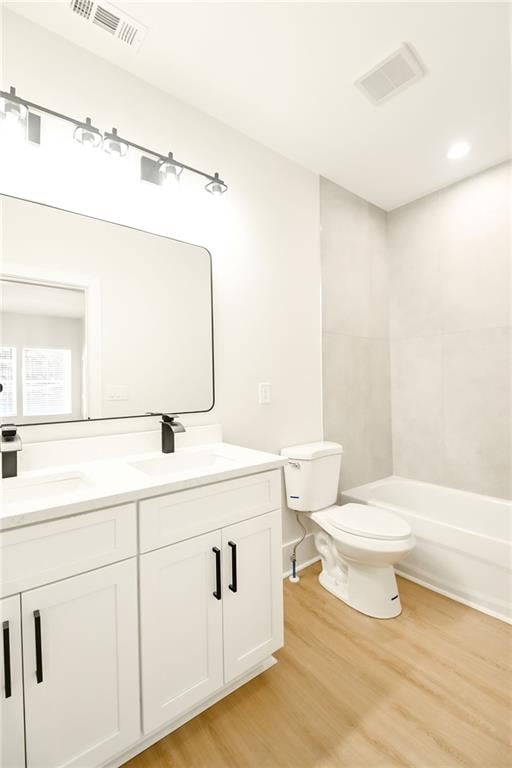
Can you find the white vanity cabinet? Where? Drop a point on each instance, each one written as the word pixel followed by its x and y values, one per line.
pixel 80 655
pixel 12 743
pixel 122 623
pixel 252 593
pixel 70 641
pixel 211 610
pixel 181 628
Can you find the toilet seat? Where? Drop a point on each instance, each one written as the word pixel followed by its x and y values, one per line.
pixel 367 521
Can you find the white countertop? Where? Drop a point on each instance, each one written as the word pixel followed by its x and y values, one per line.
pixel 39 495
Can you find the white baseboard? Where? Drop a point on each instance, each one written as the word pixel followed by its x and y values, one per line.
pixel 306 554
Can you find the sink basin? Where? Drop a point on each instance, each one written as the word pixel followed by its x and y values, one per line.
pixel 171 463
pixel 15 489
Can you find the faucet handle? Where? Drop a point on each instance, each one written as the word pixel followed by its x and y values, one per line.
pixel 170 419
pixel 11 441
pixel 9 431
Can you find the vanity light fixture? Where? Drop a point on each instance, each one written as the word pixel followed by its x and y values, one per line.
pixel 170 171
pixel 216 186
pixel 87 135
pixel 157 168
pixel 114 145
pixel 13 111
pixel 17 118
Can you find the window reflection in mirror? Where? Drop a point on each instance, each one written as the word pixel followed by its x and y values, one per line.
pixel 42 353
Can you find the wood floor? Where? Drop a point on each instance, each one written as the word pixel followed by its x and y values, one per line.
pixel 430 689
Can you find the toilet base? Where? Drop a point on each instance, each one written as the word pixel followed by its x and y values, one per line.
pixel 369 590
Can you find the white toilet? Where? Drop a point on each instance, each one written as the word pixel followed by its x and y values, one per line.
pixel 358 543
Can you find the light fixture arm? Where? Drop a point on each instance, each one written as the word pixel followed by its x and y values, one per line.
pixel 12 96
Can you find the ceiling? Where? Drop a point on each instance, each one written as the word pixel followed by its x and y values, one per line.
pixel 283 74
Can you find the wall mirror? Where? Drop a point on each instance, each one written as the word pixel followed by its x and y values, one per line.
pixel 99 320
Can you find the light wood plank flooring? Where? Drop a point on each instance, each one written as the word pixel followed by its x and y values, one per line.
pixel 430 689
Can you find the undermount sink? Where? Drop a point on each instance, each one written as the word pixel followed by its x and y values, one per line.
pixel 17 489
pixel 168 464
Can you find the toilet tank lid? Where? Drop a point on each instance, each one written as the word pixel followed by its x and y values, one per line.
pixel 310 451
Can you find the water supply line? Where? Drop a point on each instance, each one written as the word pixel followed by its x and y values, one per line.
pixel 293 577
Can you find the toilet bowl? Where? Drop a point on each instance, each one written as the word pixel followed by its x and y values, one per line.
pixel 358 543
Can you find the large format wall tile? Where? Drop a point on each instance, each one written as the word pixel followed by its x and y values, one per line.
pixel 437 274
pixel 417 407
pixel 475 252
pixel 354 264
pixel 477 451
pixel 357 408
pixel 345 264
pixel 415 289
pixel 357 405
pixel 378 309
pixel 450 257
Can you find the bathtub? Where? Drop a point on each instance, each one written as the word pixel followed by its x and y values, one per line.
pixel 464 546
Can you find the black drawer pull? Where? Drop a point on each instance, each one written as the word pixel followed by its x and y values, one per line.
pixel 7 660
pixel 234 578
pixel 39 650
pixel 218 592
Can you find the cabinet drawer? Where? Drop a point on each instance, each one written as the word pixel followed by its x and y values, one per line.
pixel 45 552
pixel 177 516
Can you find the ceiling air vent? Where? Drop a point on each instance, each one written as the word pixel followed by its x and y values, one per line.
pixel 111 20
pixel 390 76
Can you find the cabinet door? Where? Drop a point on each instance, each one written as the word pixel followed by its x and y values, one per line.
pixel 181 628
pixel 12 739
pixel 253 602
pixel 80 652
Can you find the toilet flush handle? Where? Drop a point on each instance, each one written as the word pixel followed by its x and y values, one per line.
pixel 295 464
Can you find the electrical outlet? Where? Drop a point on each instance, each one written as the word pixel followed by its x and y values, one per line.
pixel 264 393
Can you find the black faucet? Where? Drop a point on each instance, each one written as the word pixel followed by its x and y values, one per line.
pixel 10 445
pixel 169 428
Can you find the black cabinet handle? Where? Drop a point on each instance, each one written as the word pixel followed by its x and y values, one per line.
pixel 7 660
pixel 234 578
pixel 218 592
pixel 39 650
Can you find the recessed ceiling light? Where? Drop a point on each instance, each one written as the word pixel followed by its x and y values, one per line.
pixel 458 150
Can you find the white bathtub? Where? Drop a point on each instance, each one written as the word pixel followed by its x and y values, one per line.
pixel 464 545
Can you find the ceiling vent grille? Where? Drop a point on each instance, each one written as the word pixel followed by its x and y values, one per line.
pixel 108 18
pixel 390 76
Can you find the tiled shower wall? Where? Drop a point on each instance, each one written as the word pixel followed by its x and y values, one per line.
pixel 420 297
pixel 450 296
pixel 357 404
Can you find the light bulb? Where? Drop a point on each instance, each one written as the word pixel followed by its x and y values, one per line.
pixel 170 171
pixel 114 146
pixel 87 135
pixel 14 119
pixel 216 186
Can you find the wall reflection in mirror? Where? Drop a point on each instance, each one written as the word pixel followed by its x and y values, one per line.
pixel 100 320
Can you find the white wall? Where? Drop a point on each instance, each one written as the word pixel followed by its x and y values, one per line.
pixel 264 236
pixel 451 336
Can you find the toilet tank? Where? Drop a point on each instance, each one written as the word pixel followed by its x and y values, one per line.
pixel 312 475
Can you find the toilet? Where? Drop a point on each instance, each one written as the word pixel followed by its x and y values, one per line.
pixel 358 543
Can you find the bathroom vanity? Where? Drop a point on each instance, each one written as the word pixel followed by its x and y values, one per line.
pixel 136 591
pixel 140 574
